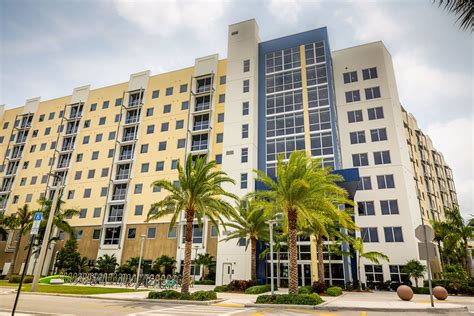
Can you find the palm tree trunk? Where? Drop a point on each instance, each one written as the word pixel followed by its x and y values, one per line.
pixel 11 270
pixel 253 258
pixel 359 277
pixel 187 252
pixel 293 252
pixel 319 246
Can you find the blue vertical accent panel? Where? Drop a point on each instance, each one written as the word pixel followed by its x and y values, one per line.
pixel 261 265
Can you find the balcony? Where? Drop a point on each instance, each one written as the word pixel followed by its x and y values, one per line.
pixel 199 143
pixel 6 188
pixel 63 164
pixel 203 85
pixel 201 123
pixel 131 120
pixel 67 147
pixel 202 104
pixel 72 131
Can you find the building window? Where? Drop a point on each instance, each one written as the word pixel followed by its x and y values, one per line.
pixel 87 193
pixel 389 207
pixel 366 208
pixel 183 88
pixel 172 232
pixel 370 73
pixel 372 93
pixel 369 234
pixel 218 159
pixel 352 96
pixel 220 117
pixel 150 129
pixel 28 198
pixel 396 274
pixel 378 134
pixel 222 80
pixel 165 127
pixel 47 131
pixel 169 91
pixel 138 210
pixel 350 77
pixel 155 94
pixel 131 234
pixel 244 155
pixel 87 123
pixel 393 234
pixel 245 108
pixel 102 120
pixel 91 174
pixel 167 108
pixel 160 166
pixel 96 234
pixel 375 113
pixel 179 124
pixel 151 233
pixel 97 211
pixel 78 175
pixel 118 102
pixel 245 130
pixel 386 181
pixel 247 65
pixel 105 105
pixel 85 140
pixel 219 138
pixel 112 135
pixel 359 160
pixel 110 153
pixel 197 234
pixel 246 86
pixel 93 107
pixel 83 213
pixel 95 155
pixel 145 167
pixel 242 242
pixel 138 188
pixel 243 180
pixel 221 98
pixel 104 172
pixel 354 116
pixel 373 273
pixel 184 105
pixel 181 143
pixel 98 138
pixel 357 137
pixel 103 191
pixel 365 183
pixel 162 146
pixel 149 111
pixel 143 148
pixel 382 157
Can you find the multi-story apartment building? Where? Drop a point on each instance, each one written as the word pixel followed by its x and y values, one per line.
pixel 267 98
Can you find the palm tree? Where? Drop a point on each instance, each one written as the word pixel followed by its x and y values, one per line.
pixel 60 216
pixel 302 188
pixel 249 223
pixel 463 9
pixel 199 195
pixel 454 233
pixel 415 269
pixel 20 222
pixel 372 256
pixel 132 263
pixel 107 263
pixel 164 264
pixel 204 260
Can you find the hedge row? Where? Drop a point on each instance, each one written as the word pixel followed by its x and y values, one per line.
pixel 205 282
pixel 16 279
pixel 175 295
pixel 259 289
pixel 334 291
pixel 292 299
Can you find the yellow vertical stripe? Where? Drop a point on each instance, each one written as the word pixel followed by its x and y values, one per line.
pixel 305 101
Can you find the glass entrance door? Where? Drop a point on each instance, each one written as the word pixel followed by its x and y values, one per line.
pixel 304 274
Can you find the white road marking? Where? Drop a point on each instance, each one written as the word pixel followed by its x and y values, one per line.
pixel 192 310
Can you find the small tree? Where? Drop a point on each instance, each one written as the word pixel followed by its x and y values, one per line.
pixel 68 258
pixel 132 263
pixel 204 260
pixel 164 264
pixel 372 256
pixel 107 263
pixel 415 269
pixel 456 276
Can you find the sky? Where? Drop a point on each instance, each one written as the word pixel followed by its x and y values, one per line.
pixel 49 47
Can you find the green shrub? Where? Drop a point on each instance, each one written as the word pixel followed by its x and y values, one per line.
pixel 221 288
pixel 203 296
pixel 421 290
pixel 205 282
pixel 307 289
pixel 175 295
pixel 293 299
pixel 15 278
pixel 334 291
pixel 166 294
pixel 240 285
pixel 258 289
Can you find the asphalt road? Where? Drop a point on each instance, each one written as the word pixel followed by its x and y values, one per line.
pixel 65 306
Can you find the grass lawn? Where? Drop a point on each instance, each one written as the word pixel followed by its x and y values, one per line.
pixel 69 289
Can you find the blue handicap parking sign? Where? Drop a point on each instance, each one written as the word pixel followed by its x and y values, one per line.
pixel 38 216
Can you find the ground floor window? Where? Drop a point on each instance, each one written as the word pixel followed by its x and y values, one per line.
pixel 112 235
pixel 334 273
pixel 396 274
pixel 195 269
pixel 373 273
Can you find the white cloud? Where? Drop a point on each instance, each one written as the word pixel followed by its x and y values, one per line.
pixel 170 16
pixel 285 10
pixel 455 140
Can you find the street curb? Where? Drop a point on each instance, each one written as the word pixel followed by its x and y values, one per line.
pixel 140 300
pixel 357 308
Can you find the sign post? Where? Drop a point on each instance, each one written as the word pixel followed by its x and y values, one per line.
pixel 37 217
pixel 423 233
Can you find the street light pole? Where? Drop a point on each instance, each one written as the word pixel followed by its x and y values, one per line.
pixel 49 225
pixel 270 224
pixel 142 244
pixel 194 265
